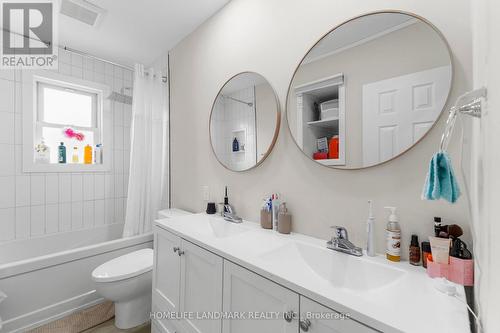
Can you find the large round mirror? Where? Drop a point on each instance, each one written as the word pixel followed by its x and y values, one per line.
pixel 244 122
pixel 369 90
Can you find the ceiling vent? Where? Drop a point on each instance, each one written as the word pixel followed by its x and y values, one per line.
pixel 82 11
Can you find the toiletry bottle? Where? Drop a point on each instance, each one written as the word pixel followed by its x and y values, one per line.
pixel 98 154
pixel 42 152
pixel 61 153
pixel 414 251
pixel 236 145
pixel 437 226
pixel 393 236
pixel 370 225
pixel 74 158
pixel 87 154
pixel 275 208
pixel 426 250
pixel 284 220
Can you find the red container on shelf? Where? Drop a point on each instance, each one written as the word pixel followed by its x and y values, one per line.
pixel 333 148
pixel 320 156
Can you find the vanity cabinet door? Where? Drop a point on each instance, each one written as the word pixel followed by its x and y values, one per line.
pixel 329 322
pixel 166 273
pixel 201 288
pixel 248 293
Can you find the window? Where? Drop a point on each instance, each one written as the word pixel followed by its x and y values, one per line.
pixel 66 110
pixel 60 108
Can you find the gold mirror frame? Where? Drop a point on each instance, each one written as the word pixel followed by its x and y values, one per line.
pixel 276 130
pixel 441 36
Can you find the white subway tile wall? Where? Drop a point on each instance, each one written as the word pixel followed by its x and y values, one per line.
pixel 36 204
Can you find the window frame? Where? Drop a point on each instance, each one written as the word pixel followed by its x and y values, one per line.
pixel 33 120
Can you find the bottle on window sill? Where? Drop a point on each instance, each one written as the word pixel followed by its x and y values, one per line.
pixel 62 153
pixel 98 154
pixel 42 153
pixel 75 159
pixel 87 154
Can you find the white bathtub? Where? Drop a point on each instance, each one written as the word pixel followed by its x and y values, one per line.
pixel 48 277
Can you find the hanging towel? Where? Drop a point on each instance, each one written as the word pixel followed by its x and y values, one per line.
pixel 441 182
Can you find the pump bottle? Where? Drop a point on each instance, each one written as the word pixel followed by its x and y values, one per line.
pixel 393 236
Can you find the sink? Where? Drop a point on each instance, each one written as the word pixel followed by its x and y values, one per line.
pixel 339 269
pixel 222 229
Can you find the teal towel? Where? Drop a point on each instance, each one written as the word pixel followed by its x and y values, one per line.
pixel 441 182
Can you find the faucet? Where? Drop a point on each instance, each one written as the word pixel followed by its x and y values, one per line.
pixel 340 242
pixel 230 215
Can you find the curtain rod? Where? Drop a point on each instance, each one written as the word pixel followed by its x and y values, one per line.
pixel 69 49
pixel 72 50
pixel 84 54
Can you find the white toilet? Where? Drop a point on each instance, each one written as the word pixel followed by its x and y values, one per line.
pixel 127 281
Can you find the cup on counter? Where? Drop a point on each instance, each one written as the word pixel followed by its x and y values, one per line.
pixel 266 221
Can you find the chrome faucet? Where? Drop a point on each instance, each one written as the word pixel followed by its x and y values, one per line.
pixel 340 242
pixel 230 215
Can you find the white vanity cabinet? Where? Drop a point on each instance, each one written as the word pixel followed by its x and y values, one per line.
pixel 248 293
pixel 187 279
pixel 190 279
pixel 316 318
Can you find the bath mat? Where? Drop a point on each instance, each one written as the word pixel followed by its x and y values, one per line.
pixel 80 321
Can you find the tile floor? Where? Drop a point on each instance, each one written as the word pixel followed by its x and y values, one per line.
pixel 109 327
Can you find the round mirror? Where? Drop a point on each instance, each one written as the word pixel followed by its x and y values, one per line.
pixel 369 90
pixel 244 122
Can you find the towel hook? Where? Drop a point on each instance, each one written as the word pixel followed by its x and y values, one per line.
pixel 470 104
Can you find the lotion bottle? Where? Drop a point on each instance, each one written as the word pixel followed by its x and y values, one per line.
pixel 87 154
pixel 75 158
pixel 393 236
pixel 370 225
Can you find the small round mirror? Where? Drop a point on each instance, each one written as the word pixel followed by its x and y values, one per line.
pixel 369 90
pixel 244 122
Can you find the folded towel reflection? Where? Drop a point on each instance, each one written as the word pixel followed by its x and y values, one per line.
pixel 441 182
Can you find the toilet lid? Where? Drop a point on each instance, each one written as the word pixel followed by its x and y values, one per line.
pixel 124 267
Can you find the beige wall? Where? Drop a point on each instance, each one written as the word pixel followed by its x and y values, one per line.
pixel 271 37
pixel 412 49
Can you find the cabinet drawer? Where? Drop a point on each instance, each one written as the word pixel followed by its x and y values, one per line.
pixel 325 320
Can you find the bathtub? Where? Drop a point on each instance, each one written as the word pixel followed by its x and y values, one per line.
pixel 49 277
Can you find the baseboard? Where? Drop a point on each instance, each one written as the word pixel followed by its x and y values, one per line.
pixel 50 313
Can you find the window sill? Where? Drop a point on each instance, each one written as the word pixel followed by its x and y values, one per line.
pixel 69 168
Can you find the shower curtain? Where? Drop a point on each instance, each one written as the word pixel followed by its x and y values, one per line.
pixel 147 189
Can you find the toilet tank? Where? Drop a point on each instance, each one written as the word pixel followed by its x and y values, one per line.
pixel 172 212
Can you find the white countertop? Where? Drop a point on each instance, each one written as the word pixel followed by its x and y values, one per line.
pixel 408 302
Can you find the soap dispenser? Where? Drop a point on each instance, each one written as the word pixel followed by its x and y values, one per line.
pixel 370 225
pixel 227 206
pixel 284 220
pixel 393 236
